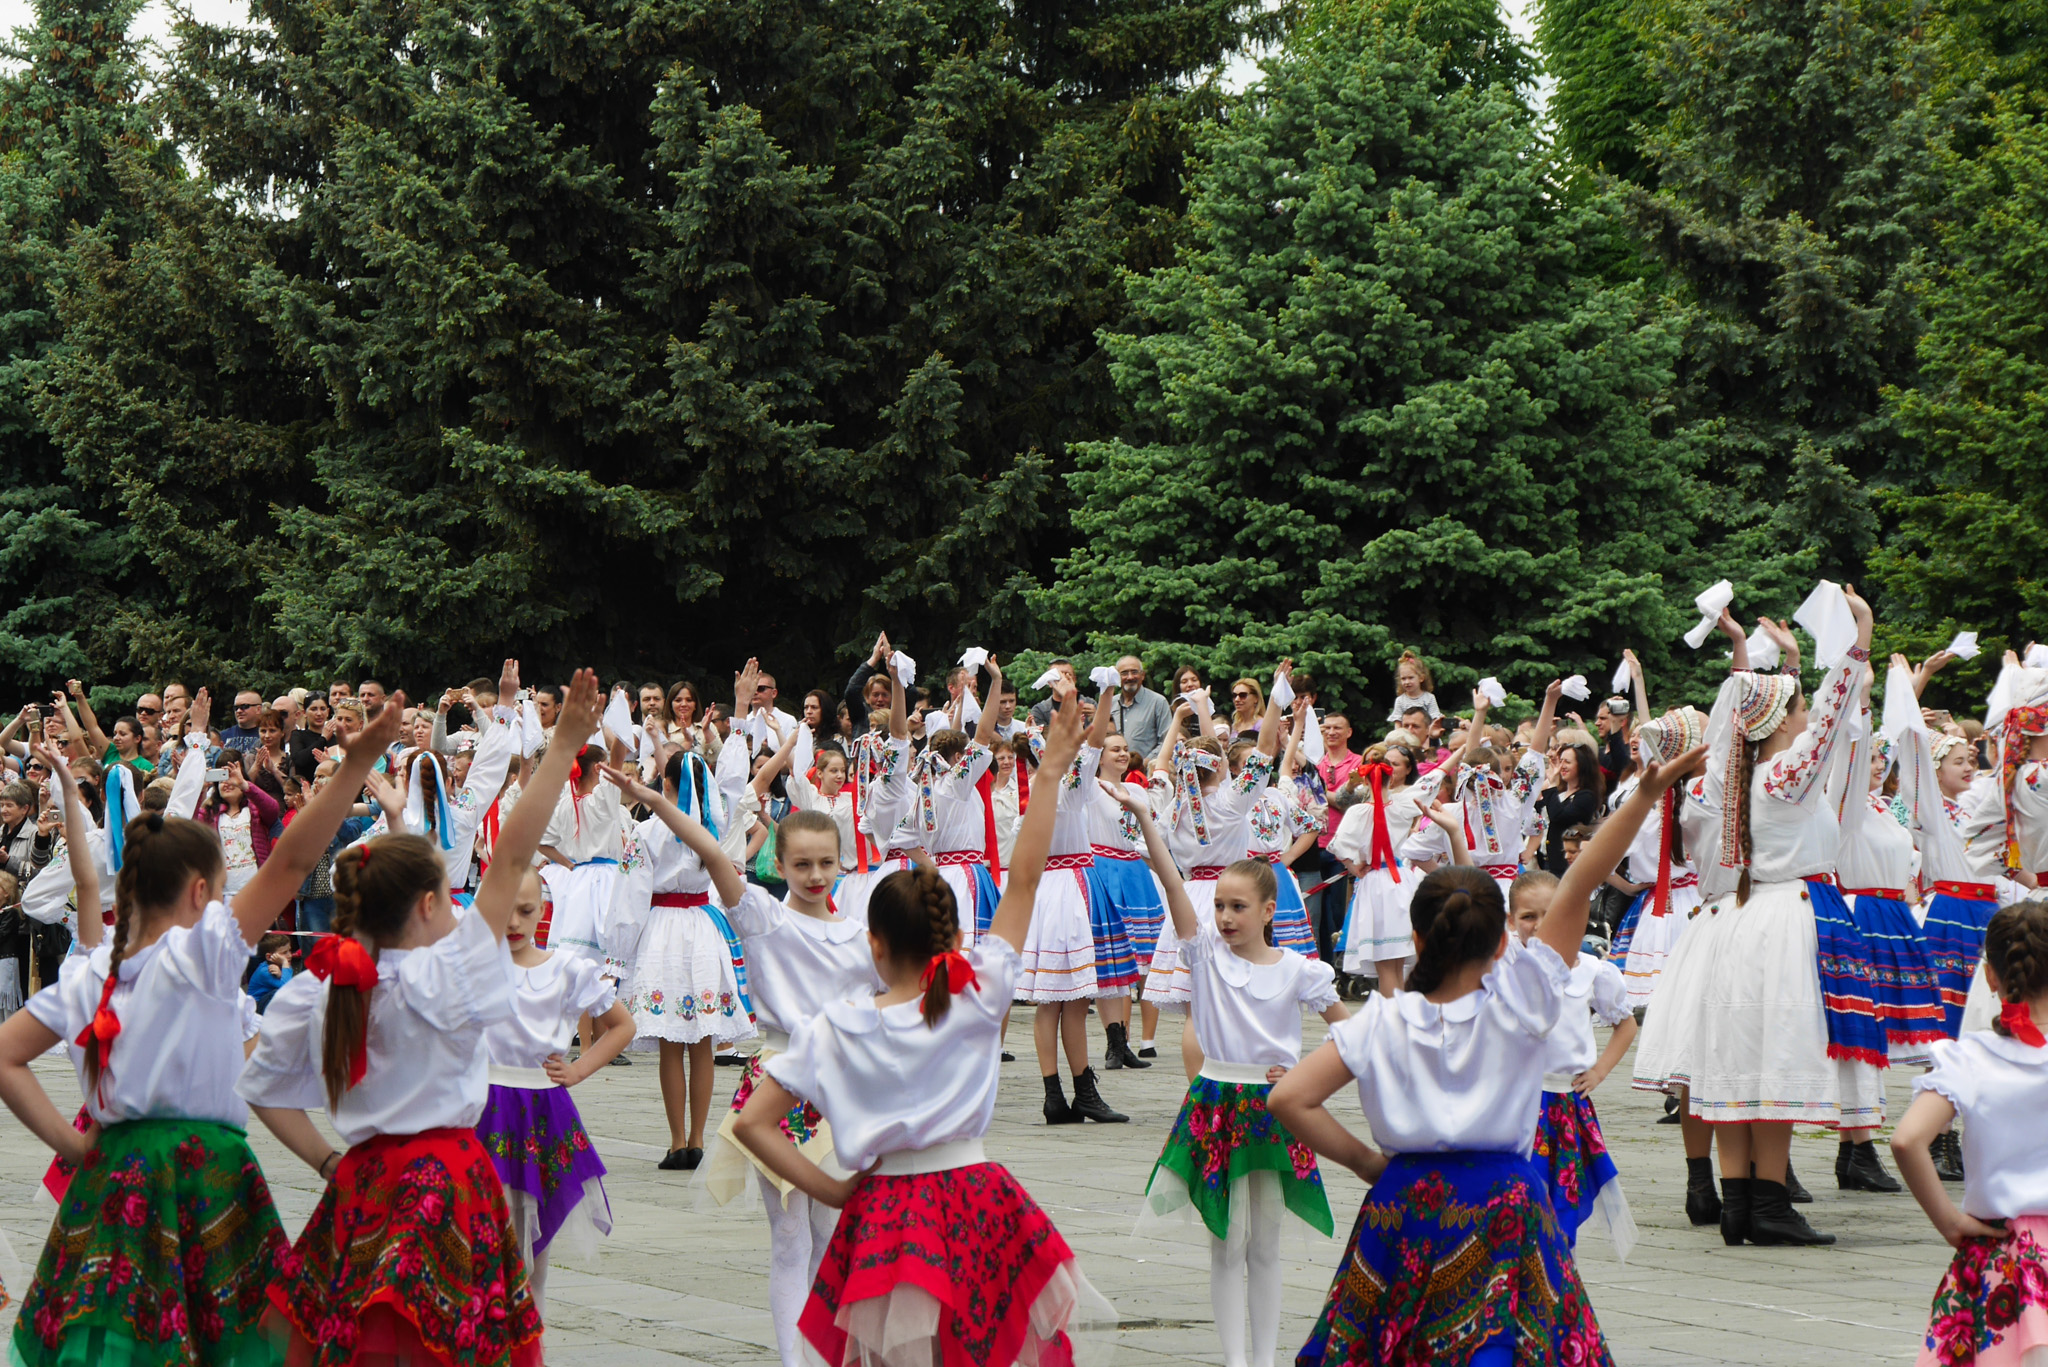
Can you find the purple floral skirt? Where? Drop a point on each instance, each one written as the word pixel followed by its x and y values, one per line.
pixel 536 1140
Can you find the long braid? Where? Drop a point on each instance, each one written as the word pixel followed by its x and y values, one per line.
pixel 942 921
pixel 1745 763
pixel 348 1008
pixel 123 897
pixel 2016 949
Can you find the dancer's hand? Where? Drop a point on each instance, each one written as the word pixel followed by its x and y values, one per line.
pixel 1962 1225
pixel 628 782
pixel 840 1192
pixel 1585 1082
pixel 1275 1073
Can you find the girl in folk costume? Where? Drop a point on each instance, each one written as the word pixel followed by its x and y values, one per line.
pixel 1122 889
pixel 1875 865
pixel 1284 825
pixel 411 1254
pixel 1125 904
pixel 939 1256
pixel 1211 830
pixel 958 825
pixel 683 985
pixel 885 835
pixel 1663 906
pixel 801 953
pixel 1499 801
pixel 553 1178
pixel 166 1242
pixel 448 806
pixel 1570 1146
pixel 1786 985
pixel 816 781
pixel 1450 1075
pixel 1991 1308
pixel 1383 803
pixel 1057 973
pixel 1227 1158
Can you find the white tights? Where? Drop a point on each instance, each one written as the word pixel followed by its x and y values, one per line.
pixel 796 1239
pixel 1244 1270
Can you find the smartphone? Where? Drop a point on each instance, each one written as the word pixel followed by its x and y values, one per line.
pixel 216 775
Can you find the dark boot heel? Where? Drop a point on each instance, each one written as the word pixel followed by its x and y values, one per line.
pixel 1057 1111
pixel 1088 1102
pixel 1866 1172
pixel 1735 1210
pixel 1702 1202
pixel 1773 1221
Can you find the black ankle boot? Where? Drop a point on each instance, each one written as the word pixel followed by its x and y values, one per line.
pixel 1702 1202
pixel 1735 1209
pixel 1057 1111
pixel 1088 1102
pixel 1119 1054
pixel 1948 1156
pixel 1795 1190
pixel 1111 1059
pixel 1842 1152
pixel 1862 1171
pixel 1773 1221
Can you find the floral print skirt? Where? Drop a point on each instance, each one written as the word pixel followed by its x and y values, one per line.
pixel 729 1166
pixel 1991 1308
pixel 537 1142
pixel 1572 1152
pixel 163 1248
pixel 1450 1252
pixel 411 1246
pixel 1223 1135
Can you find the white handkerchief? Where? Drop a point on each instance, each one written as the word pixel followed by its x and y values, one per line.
pixel 1622 679
pixel 1575 688
pixel 1311 737
pixel 905 667
pixel 1763 652
pixel 1047 679
pixel 1711 605
pixel 970 712
pixel 1103 677
pixel 1901 705
pixel 531 733
pixel 1490 689
pixel 2036 657
pixel 1964 646
pixel 974 657
pixel 800 758
pixel 618 719
pixel 1283 692
pixel 1825 615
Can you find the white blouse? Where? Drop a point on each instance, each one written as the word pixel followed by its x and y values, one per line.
pixel 1594 989
pixel 805 797
pixel 797 963
pixel 1466 1075
pixel 1226 832
pixel 428 1068
pixel 588 829
pixel 1353 839
pixel 180 1006
pixel 547 1001
pixel 887 1082
pixel 1251 1013
pixel 1999 1087
pixel 1073 790
pixel 1498 812
pixel 959 818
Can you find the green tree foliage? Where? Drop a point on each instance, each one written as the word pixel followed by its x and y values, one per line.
pixel 1794 177
pixel 70 101
pixel 1379 402
pixel 1971 550
pixel 1601 56
pixel 638 335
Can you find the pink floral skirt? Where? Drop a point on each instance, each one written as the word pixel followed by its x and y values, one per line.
pixel 1991 1308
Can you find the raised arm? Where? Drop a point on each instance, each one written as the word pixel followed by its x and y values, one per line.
pixel 519 835
pixel 1269 725
pixel 1034 833
pixel 1098 730
pixel 1546 720
pixel 189 784
pixel 1564 926
pixel 985 727
pixel 96 737
pixel 725 879
pixel 78 850
pixel 1641 689
pixel 311 831
pixel 1738 642
pixel 1177 904
pixel 1292 757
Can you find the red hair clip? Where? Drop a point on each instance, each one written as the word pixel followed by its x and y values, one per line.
pixel 959 973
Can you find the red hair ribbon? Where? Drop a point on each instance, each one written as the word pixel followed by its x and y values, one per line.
pixel 1382 841
pixel 990 851
pixel 100 1031
pixel 959 973
pixel 1661 904
pixel 2016 1017
pixel 342 960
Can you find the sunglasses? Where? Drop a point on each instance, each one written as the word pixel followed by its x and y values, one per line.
pixel 1239 697
pixel 147 711
pixel 247 706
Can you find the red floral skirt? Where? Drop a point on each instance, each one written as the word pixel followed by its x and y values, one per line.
pixel 970 1238
pixel 1991 1308
pixel 411 1250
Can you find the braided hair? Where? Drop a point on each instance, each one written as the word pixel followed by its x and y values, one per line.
pixel 914 913
pixel 2016 949
pixel 1458 916
pixel 160 857
pixel 376 887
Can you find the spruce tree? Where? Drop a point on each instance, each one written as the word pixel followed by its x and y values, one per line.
pixel 1380 402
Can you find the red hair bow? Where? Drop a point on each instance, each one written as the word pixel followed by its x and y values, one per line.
pixel 100 1031
pixel 1382 855
pixel 2018 1021
pixel 342 960
pixel 959 973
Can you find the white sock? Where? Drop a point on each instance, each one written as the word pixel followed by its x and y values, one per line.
pixel 1147 1044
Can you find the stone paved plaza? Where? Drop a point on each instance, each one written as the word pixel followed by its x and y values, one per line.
pixel 675 1287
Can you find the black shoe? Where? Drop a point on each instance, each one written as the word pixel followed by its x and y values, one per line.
pixel 1148 1052
pixel 620 1061
pixel 1702 1202
pixel 1948 1156
pixel 1672 1115
pixel 1088 1102
pixel 1119 1051
pixel 681 1160
pixel 1857 1169
pixel 1009 1057
pixel 1772 1221
pixel 1111 1059
pixel 1057 1111
pixel 1795 1191
pixel 1736 1199
pixel 729 1060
